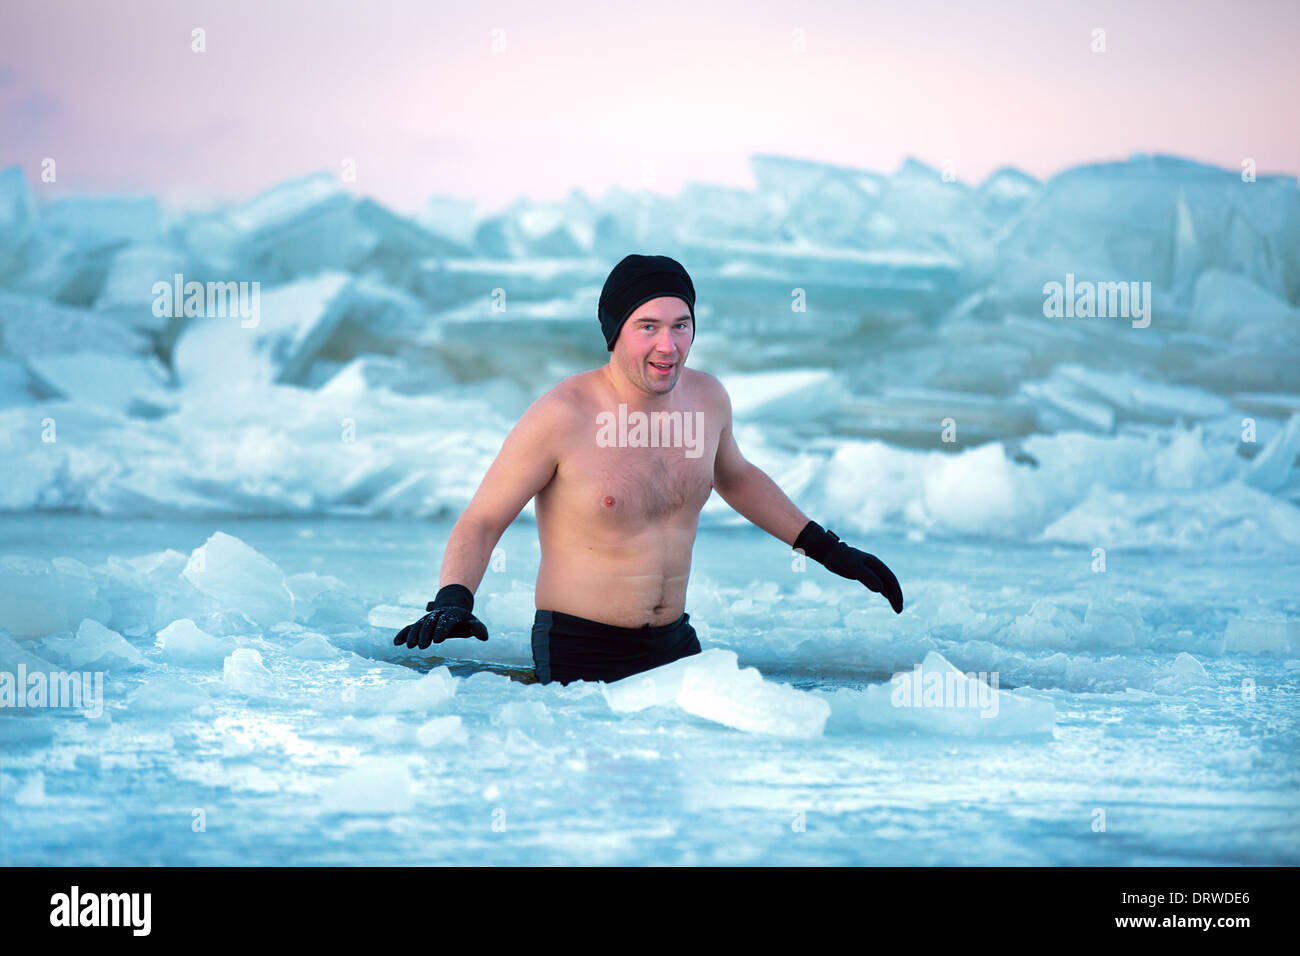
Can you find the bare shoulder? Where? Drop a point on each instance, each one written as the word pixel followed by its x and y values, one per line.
pixel 561 405
pixel 708 385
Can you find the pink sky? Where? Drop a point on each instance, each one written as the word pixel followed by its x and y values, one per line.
pixel 645 96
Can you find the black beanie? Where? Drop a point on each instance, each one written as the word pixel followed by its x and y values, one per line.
pixel 635 281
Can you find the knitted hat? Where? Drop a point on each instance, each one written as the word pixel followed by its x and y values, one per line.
pixel 635 281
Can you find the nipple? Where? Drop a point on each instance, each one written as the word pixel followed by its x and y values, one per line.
pixel 608 501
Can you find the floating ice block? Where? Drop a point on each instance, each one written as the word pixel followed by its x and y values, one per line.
pixel 93 645
pixel 710 685
pixel 244 673
pixel 240 579
pixel 376 785
pixel 182 642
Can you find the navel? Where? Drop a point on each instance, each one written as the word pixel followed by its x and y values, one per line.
pixel 608 501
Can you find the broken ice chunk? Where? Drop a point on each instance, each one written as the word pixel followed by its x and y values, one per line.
pixel 425 693
pixel 128 296
pixel 1185 672
pixel 1261 634
pixel 94 220
pixel 244 673
pixel 392 616
pixel 375 785
pixel 32 792
pixel 743 700
pixel 936 697
pixel 240 579
pixel 88 378
pixel 659 685
pixel 1110 625
pixel 32 326
pixel 12 654
pixel 183 643
pixel 15 384
pixel 710 685
pixel 1046 625
pixel 784 395
pixel 442 732
pixel 94 644
pixel 1142 399
pixel 434 688
pixel 1227 303
pixel 16 216
pixel 275 342
pixel 314 647
pixel 163 694
pixel 521 713
pixel 1272 467
pixel 39 597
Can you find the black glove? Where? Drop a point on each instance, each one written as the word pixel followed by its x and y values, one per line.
pixel 825 547
pixel 449 616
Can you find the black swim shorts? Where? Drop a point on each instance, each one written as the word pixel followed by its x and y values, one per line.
pixel 568 648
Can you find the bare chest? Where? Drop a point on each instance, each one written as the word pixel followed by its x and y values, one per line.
pixel 630 473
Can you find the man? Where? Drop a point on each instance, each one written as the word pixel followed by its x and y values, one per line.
pixel 617 508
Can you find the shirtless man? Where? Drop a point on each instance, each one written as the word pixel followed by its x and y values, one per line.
pixel 617 518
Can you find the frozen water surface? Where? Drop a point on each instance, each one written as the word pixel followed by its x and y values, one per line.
pixel 1156 699
pixel 226 507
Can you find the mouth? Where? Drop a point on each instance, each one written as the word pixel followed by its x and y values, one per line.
pixel 663 368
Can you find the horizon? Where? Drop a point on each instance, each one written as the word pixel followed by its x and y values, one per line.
pixel 481 211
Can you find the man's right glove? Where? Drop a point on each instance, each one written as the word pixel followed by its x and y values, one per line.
pixel 449 616
pixel 825 547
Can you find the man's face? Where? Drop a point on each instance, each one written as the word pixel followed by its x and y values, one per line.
pixel 658 333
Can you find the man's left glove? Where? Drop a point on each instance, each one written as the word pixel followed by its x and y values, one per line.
pixel 826 548
pixel 449 616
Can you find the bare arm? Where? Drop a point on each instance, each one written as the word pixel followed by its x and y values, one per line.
pixel 524 466
pixel 748 489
